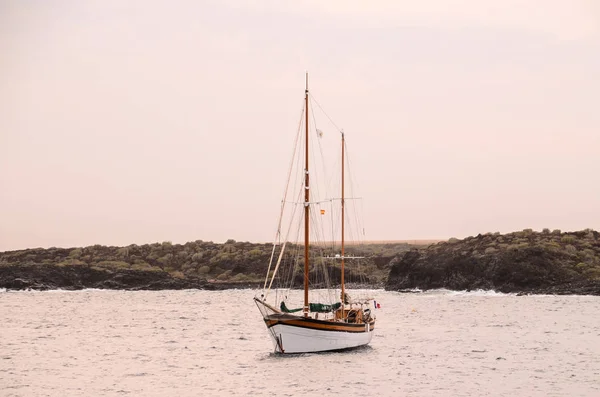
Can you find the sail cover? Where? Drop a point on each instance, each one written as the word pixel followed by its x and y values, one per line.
pixel 313 307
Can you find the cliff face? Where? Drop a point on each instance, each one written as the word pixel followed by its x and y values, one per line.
pixel 528 262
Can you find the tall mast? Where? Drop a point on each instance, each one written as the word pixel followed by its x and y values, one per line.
pixel 343 290
pixel 306 203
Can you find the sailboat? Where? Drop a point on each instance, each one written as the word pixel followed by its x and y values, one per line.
pixel 343 322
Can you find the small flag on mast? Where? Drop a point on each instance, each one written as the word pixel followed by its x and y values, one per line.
pixel 322 212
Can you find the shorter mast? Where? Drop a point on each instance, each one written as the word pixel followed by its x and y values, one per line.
pixel 342 272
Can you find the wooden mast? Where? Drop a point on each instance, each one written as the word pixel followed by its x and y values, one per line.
pixel 306 203
pixel 342 275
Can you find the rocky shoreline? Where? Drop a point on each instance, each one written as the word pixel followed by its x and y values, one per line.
pixel 51 277
pixel 73 278
pixel 195 264
pixel 523 262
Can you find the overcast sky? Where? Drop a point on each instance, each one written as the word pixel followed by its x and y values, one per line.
pixel 144 121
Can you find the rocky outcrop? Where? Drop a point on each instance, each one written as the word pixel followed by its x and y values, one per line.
pixel 165 265
pixel 46 277
pixel 523 262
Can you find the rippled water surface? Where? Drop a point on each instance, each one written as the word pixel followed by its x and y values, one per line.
pixel 202 343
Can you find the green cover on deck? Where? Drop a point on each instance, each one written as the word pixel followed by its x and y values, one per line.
pixel 313 307
pixel 284 308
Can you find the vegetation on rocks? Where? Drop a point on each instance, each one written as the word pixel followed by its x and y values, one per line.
pixel 197 264
pixel 525 261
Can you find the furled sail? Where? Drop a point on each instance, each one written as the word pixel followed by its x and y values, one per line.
pixel 314 307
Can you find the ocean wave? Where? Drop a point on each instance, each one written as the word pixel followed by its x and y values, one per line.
pixel 475 292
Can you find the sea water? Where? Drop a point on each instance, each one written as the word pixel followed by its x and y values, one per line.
pixel 203 343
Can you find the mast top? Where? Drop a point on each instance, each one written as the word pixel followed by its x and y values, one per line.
pixel 306 89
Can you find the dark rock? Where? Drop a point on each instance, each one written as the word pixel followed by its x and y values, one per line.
pixel 175 266
pixel 522 262
pixel 45 277
pixel 21 277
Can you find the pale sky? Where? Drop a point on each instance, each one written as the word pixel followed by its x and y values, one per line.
pixel 144 121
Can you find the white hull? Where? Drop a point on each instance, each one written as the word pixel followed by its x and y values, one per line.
pixel 306 340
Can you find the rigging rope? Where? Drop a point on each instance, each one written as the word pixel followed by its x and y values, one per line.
pixel 325 113
pixel 287 266
pixel 278 232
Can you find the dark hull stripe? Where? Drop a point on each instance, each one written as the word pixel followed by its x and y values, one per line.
pixel 310 323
